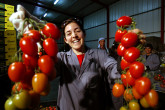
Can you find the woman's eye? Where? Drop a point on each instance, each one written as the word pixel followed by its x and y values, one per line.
pixel 68 34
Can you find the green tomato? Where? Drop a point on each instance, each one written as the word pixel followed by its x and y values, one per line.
pixel 9 105
pixel 133 105
pixel 22 100
pixel 123 108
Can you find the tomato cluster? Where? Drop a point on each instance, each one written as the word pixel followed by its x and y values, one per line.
pixel 35 68
pixel 135 86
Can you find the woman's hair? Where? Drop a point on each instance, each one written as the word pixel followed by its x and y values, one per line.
pixel 149 45
pixel 71 20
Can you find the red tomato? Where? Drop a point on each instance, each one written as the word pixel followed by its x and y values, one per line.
pixel 143 85
pixel 16 71
pixel 118 90
pixel 119 34
pixel 136 94
pixel 124 64
pixel 129 39
pixel 152 98
pixel 128 96
pixel 123 79
pixel 46 64
pixel 129 79
pixel 39 82
pixel 51 30
pixel 30 61
pixel 28 46
pixel 121 50
pixel 16 87
pixel 136 69
pixel 50 46
pixel 131 54
pixel 34 34
pixel 124 21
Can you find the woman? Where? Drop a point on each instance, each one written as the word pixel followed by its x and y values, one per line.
pixel 83 72
pixel 152 61
pixel 101 44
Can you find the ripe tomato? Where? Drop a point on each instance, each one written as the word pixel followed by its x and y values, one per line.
pixel 28 46
pixel 30 61
pixel 124 64
pixel 16 71
pixel 123 79
pixel 136 69
pixel 51 30
pixel 119 34
pixel 50 46
pixel 121 50
pixel 39 82
pixel 35 99
pixel 17 87
pixel 124 21
pixel 143 85
pixel 131 54
pixel 129 40
pixel 9 105
pixel 136 94
pixel 118 90
pixel 144 103
pixel 129 79
pixel 133 105
pixel 152 98
pixel 34 34
pixel 128 96
pixel 46 64
pixel 22 100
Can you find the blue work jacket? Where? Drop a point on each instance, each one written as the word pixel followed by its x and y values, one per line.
pixel 84 88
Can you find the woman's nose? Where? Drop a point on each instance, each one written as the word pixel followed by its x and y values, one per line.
pixel 74 34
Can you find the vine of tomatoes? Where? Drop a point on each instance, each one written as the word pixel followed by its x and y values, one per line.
pixel 33 68
pixel 137 86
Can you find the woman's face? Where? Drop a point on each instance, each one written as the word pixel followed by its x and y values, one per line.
pixel 74 36
pixel 148 50
pixel 102 43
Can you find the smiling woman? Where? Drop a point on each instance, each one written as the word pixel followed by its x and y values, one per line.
pixel 85 74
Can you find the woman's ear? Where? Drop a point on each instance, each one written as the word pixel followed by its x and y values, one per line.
pixel 65 40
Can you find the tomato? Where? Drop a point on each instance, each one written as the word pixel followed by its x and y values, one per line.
pixel 31 61
pixel 118 90
pixel 28 46
pixel 123 108
pixel 46 91
pixel 51 30
pixel 124 21
pixel 22 100
pixel 131 54
pixel 136 69
pixel 39 82
pixel 35 99
pixel 16 71
pixel 50 46
pixel 129 79
pixel 123 79
pixel 34 34
pixel 144 103
pixel 133 105
pixel 124 64
pixel 27 79
pixel 129 40
pixel 143 85
pixel 121 50
pixel 136 94
pixel 9 105
pixel 46 64
pixel 152 98
pixel 17 87
pixel 128 96
pixel 119 34
pixel 52 75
